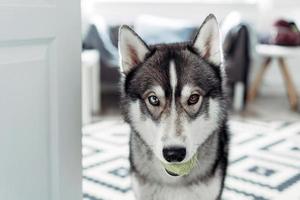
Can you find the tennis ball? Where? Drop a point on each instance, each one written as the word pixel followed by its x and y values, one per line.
pixel 181 168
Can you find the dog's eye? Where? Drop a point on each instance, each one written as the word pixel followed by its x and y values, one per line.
pixel 153 100
pixel 193 99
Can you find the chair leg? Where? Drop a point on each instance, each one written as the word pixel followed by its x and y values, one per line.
pixel 238 98
pixel 291 90
pixel 254 88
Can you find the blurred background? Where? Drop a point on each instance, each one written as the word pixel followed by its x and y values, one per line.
pixel 261 42
pixel 244 24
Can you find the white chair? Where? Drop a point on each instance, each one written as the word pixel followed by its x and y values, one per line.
pixel 279 53
pixel 90 83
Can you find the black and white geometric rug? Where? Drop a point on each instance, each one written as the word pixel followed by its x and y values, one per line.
pixel 264 161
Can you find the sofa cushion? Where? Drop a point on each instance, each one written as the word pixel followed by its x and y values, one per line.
pixel 163 30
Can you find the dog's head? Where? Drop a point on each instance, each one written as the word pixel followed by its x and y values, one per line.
pixel 173 93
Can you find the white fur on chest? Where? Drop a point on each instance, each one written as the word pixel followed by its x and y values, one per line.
pixel 201 191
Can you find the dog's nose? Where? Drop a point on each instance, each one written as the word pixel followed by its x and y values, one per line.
pixel 174 154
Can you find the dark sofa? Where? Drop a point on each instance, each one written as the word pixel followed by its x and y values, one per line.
pixel 236 53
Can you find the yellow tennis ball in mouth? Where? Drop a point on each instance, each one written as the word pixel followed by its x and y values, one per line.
pixel 181 168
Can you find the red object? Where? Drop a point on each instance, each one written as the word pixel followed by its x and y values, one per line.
pixel 281 23
pixel 285 33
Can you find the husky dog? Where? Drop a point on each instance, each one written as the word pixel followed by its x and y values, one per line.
pixel 174 101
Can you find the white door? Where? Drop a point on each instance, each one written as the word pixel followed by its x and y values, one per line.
pixel 40 122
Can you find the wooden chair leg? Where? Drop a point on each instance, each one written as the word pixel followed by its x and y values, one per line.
pixel 254 88
pixel 291 90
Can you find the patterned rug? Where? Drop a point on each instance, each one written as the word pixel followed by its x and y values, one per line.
pixel 264 161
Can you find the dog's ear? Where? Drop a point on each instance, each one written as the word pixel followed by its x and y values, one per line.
pixel 207 41
pixel 132 49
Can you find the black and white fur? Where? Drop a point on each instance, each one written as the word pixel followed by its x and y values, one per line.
pixel 173 72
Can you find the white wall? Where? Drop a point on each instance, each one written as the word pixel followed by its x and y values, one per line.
pixel 117 12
